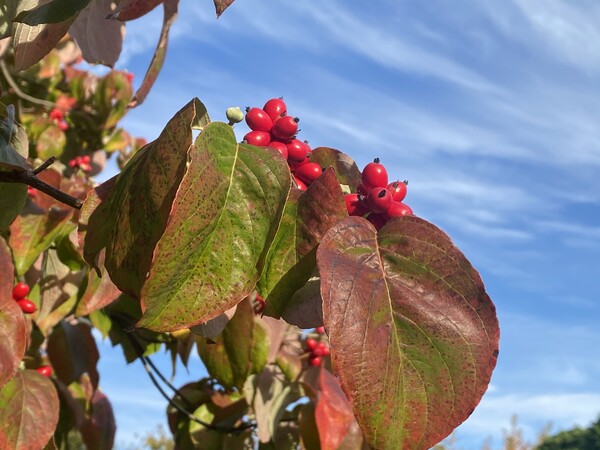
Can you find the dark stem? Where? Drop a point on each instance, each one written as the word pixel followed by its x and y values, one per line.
pixel 149 367
pixel 29 178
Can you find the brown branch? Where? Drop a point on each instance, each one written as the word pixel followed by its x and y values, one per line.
pixel 29 178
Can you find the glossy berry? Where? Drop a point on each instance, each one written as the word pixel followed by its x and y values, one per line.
pixel 275 108
pixel 257 138
pixel 320 330
pixel 379 200
pixel 300 184
pixel 398 190
pixel 20 291
pixel 129 76
pixel 378 220
pixel 57 115
pixel 298 151
pixel 318 350
pixel 258 120
pixel 314 361
pixel 280 147
pixel 311 343
pixel 398 209
pixel 374 175
pixel 323 349
pixel 32 192
pixel 27 306
pixel 285 128
pixel 356 205
pixel 45 370
pixel 309 172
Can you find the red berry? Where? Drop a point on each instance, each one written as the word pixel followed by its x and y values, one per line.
pixel 398 209
pixel 324 350
pixel 314 361
pixel 85 159
pixel 85 167
pixel 300 184
pixel 360 189
pixel 275 108
pixel 64 126
pixel 20 291
pixel 280 147
pixel 27 306
pixel 378 220
pixel 309 172
pixel 311 343
pixel 374 175
pixel 258 304
pixel 257 138
pixel 298 151
pixel 379 200
pixel 129 76
pixel 355 205
pixel 285 128
pixel 45 370
pixel 258 120
pixel 320 330
pixel 57 115
pixel 398 190
pixel 32 192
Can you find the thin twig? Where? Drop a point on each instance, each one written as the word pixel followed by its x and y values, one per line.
pixel 19 92
pixel 29 178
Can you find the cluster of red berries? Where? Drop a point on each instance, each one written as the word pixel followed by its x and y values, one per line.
pixel 316 349
pixel 258 304
pixel 272 127
pixel 19 292
pixel 81 162
pixel 376 199
pixel 59 117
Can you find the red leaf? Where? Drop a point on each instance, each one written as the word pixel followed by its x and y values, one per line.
pixel 13 333
pixel 333 412
pixel 413 334
pixel 134 9
pixel 222 5
pixel 28 411
pixel 98 428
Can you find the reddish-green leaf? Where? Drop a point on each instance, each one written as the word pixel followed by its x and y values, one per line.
pixel 13 334
pixel 58 291
pixel 98 426
pixel 12 201
pixel 33 233
pixel 28 411
pixel 134 9
pixel 407 301
pixel 170 14
pixel 333 412
pixel 99 293
pixel 227 210
pixel 100 40
pixel 222 5
pixel 345 167
pixel 73 352
pixel 134 209
pixel 290 261
pixel 53 12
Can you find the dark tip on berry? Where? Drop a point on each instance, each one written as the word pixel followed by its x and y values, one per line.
pixel 248 109
pixel 382 193
pixel 244 141
pixel 281 98
pixel 376 160
pixel 405 182
pixel 296 119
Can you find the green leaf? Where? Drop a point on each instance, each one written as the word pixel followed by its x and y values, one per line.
pixel 51 142
pixel 99 292
pixel 230 358
pixel 53 12
pixel 290 261
pixel 226 212
pixel 14 145
pixel 30 44
pixel 31 234
pixel 201 436
pixel 73 352
pixel 28 411
pixel 408 301
pixel 12 200
pixel 13 333
pixel 345 168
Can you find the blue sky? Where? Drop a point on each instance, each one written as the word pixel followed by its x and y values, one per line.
pixel 489 109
